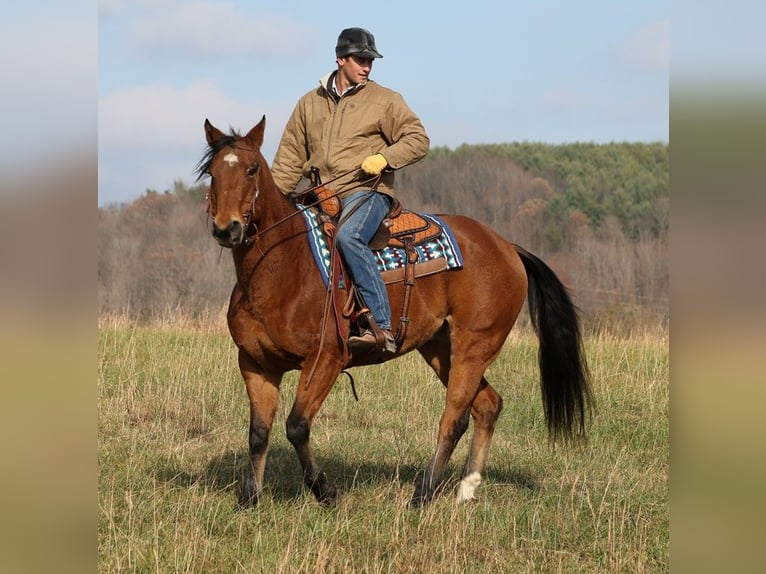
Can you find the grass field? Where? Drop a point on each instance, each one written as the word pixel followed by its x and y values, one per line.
pixel 173 437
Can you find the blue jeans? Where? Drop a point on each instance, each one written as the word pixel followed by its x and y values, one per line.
pixel 353 238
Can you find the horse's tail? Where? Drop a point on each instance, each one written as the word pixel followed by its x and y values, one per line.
pixel 565 384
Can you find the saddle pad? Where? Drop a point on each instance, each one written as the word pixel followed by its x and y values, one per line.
pixel 444 247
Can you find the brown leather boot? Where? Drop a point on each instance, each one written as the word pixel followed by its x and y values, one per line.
pixel 366 341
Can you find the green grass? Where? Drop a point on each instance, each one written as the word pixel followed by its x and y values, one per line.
pixel 172 441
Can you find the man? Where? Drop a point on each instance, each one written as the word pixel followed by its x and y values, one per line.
pixel 353 129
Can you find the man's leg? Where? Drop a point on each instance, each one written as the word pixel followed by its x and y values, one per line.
pixel 367 210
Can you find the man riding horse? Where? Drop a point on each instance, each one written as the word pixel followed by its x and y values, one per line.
pixel 348 127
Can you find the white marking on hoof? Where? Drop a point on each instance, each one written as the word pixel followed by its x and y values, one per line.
pixel 468 486
pixel 231 158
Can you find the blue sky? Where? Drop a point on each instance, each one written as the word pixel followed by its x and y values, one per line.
pixel 484 71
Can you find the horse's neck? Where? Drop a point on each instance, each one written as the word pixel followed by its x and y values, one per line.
pixel 279 239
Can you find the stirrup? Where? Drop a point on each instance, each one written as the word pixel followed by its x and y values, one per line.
pixel 389 342
pixel 366 341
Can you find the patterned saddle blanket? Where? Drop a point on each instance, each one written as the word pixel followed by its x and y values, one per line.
pixel 436 251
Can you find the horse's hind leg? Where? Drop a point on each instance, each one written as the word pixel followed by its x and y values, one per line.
pixel 263 393
pixel 485 411
pixel 308 399
pixel 454 421
pixel 485 407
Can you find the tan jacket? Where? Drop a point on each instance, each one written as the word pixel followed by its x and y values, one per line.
pixel 336 136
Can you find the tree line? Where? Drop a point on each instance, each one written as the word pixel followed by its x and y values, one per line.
pixel 597 213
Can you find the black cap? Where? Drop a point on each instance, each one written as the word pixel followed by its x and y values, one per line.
pixel 356 41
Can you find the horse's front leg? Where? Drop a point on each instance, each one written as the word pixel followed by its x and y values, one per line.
pixel 309 397
pixel 263 393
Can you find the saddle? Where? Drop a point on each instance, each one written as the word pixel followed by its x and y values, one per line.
pixel 401 229
pixel 398 227
pixel 401 225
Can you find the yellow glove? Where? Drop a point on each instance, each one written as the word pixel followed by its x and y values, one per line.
pixel 374 164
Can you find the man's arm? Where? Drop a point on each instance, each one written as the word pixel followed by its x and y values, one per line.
pixel 287 168
pixel 406 131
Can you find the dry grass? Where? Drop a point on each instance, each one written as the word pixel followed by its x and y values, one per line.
pixel 173 431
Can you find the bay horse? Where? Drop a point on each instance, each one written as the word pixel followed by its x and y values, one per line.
pixel 459 322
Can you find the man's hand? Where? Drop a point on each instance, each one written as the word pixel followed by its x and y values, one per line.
pixel 374 164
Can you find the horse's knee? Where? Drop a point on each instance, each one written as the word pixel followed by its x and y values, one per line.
pixel 297 430
pixel 461 426
pixel 453 431
pixel 487 411
pixel 258 438
pixel 498 406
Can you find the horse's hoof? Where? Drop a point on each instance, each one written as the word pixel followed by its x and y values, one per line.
pixel 248 498
pixel 420 499
pixel 247 502
pixel 328 497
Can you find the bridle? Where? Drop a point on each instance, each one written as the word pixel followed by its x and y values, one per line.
pixel 251 230
pixel 252 172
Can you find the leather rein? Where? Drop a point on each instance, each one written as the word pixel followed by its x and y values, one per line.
pixel 252 232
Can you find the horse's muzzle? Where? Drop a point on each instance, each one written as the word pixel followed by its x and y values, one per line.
pixel 230 236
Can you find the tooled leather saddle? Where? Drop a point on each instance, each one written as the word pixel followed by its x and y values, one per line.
pixel 402 230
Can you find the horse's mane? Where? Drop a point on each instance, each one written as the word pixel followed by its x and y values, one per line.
pixel 203 165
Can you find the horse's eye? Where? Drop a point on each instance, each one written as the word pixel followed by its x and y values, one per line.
pixel 251 171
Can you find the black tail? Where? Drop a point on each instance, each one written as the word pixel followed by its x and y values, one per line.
pixel 564 371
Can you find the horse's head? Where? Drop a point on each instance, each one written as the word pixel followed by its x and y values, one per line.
pixel 238 172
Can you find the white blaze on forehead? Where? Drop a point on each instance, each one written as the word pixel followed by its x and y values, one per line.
pixel 231 158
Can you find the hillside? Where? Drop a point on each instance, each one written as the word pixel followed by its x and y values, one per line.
pixel 598 214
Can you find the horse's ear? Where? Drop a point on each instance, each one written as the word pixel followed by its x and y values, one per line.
pixel 255 135
pixel 212 133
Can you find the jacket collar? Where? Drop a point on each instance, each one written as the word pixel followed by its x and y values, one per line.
pixel 328 83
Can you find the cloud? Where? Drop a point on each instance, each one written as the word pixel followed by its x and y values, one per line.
pixel 649 48
pixel 158 116
pixel 154 117
pixel 217 29
pixel 108 7
pixel 562 100
pixel 150 136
